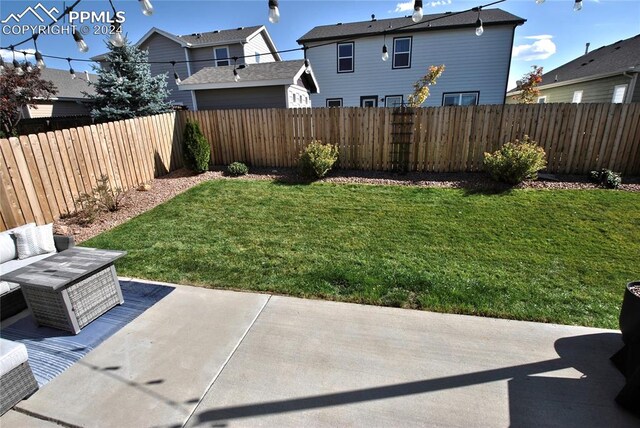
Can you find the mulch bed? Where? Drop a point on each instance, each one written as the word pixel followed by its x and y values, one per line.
pixel 176 182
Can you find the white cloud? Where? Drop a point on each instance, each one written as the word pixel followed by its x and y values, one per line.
pixel 408 5
pixel 7 55
pixel 542 48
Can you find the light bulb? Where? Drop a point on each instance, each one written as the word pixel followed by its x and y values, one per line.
pixel 236 76
pixel 72 73
pixel 147 7
pixel 1 65
pixel 175 76
pixel 28 68
pixel 307 70
pixel 417 11
pixel 539 1
pixel 40 61
pixel 117 39
pixel 479 29
pixel 577 6
pixel 82 46
pixel 274 15
pixel 16 67
pixel 385 53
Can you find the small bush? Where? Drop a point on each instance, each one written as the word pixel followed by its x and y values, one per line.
pixel 237 168
pixel 196 148
pixel 317 159
pixel 101 198
pixel 515 162
pixel 87 209
pixel 606 178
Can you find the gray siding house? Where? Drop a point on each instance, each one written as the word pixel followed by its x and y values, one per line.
pixel 347 59
pixel 278 84
pixel 606 75
pixel 250 45
pixel 70 100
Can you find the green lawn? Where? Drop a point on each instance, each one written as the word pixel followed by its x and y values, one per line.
pixel 553 256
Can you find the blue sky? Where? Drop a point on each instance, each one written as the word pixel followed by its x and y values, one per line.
pixel 552 35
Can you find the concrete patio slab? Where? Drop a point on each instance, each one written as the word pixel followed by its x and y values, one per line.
pixel 316 363
pixel 17 419
pixel 154 371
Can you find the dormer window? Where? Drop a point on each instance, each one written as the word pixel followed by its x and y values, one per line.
pixel 221 56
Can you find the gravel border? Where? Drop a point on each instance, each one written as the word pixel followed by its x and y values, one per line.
pixel 164 188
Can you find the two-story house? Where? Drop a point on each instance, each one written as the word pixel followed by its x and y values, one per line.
pixel 347 59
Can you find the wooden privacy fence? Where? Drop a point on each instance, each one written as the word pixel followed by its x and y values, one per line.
pixel 576 137
pixel 42 175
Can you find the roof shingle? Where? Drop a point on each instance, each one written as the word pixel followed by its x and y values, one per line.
pixel 276 70
pixel 438 21
pixel 219 37
pixel 68 87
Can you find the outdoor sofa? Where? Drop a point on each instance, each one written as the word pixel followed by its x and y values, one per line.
pixel 11 298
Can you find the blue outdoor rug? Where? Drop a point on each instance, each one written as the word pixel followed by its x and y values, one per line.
pixel 52 351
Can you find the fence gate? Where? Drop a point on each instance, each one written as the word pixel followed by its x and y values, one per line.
pixel 401 138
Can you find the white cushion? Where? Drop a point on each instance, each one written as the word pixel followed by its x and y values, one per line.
pixel 12 265
pixel 12 354
pixel 8 250
pixel 35 240
pixel 5 287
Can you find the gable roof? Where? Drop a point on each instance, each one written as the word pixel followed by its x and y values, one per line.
pixel 69 88
pixel 262 74
pixel 442 21
pixel 616 58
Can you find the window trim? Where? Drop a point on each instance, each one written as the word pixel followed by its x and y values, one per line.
pixel 393 96
pixel 624 94
pixel 333 99
pixel 543 98
pixel 573 100
pixel 215 59
pixel 476 93
pixel 393 57
pixel 353 57
pixel 369 97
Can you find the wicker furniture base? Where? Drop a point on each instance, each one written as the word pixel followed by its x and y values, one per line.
pixel 11 304
pixel 75 306
pixel 18 384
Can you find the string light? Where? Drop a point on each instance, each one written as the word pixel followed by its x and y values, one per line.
pixel 1 64
pixel 147 7
pixel 385 53
pixel 175 73
pixel 39 60
pixel 116 39
pixel 479 28
pixel 16 65
pixel 577 6
pixel 71 70
pixel 274 12
pixel 82 45
pixel 307 66
pixel 27 64
pixel 417 11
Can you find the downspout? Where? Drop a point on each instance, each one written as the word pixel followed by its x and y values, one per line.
pixel 193 94
pixel 632 86
pixel 506 80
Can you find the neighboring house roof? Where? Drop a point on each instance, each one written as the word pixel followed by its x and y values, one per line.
pixel 211 38
pixel 442 21
pixel 617 58
pixel 67 87
pixel 262 74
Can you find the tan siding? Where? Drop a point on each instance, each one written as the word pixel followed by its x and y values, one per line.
pixel 162 49
pixel 260 97
pixel 59 108
pixel 595 91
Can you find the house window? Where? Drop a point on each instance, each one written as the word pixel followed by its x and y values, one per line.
pixel 402 52
pixel 334 102
pixel 577 97
pixel 369 101
pixel 460 98
pixel 618 94
pixel 542 100
pixel 393 101
pixel 345 57
pixel 221 56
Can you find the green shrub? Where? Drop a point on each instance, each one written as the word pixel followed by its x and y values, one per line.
pixel 237 168
pixel 515 162
pixel 101 198
pixel 317 159
pixel 606 178
pixel 196 148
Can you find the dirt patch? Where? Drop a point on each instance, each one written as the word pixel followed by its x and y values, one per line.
pixel 164 188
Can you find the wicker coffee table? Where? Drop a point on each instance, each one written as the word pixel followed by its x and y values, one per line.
pixel 70 289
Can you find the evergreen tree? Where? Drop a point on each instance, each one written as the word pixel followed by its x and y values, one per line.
pixel 125 87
